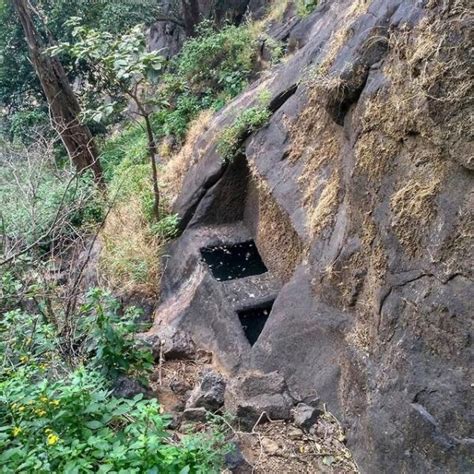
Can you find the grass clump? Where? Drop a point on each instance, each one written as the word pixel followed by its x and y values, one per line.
pixel 129 144
pixel 247 122
pixel 305 7
pixel 413 208
pixel 322 213
pixel 130 254
pixel 177 163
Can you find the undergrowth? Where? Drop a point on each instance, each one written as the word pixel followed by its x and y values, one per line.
pixel 57 412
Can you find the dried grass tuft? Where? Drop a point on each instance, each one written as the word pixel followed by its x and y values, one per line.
pixel 321 215
pixel 413 207
pixel 175 169
pixel 130 257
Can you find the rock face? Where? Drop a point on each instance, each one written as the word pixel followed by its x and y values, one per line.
pixel 128 387
pixel 358 194
pixel 169 342
pixel 255 396
pixel 305 416
pixel 209 394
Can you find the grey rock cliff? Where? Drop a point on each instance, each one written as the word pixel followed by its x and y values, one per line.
pixel 358 194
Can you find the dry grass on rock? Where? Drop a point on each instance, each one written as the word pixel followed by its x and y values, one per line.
pixel 322 213
pixel 276 238
pixel 176 166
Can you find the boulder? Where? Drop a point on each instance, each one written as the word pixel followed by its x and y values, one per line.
pixel 209 393
pixel 194 414
pixel 235 461
pixel 305 416
pixel 258 397
pixel 172 343
pixel 128 387
pixel 179 387
pixel 269 446
pixel 294 433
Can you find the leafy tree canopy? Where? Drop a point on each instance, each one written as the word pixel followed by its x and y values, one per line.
pixel 20 91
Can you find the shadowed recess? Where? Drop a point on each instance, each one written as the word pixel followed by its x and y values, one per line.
pixel 253 320
pixel 228 262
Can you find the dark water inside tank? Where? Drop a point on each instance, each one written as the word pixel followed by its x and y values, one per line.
pixel 228 262
pixel 253 321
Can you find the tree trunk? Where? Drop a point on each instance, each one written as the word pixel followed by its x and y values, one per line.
pixel 63 104
pixel 152 151
pixel 191 16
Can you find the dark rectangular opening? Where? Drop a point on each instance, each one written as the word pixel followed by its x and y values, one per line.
pixel 231 261
pixel 253 320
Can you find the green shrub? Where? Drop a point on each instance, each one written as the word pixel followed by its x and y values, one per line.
pixel 248 121
pixel 73 425
pixel 22 122
pixel 109 342
pixel 305 7
pixel 218 61
pixel 211 69
pixel 167 227
pixel 26 340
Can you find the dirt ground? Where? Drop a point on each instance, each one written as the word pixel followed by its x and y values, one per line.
pixel 272 447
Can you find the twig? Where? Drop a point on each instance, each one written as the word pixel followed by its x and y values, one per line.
pixel 160 365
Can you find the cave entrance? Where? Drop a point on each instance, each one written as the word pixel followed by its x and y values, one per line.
pixel 253 320
pixel 232 261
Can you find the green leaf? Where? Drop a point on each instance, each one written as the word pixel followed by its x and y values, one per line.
pixel 94 424
pixel 121 410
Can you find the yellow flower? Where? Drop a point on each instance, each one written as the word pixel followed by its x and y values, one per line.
pixel 52 439
pixel 16 431
pixel 40 412
pixel 21 408
pixel 54 402
pixel 23 359
pixel 44 399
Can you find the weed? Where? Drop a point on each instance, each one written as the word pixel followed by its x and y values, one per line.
pixel 247 122
pixel 305 7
